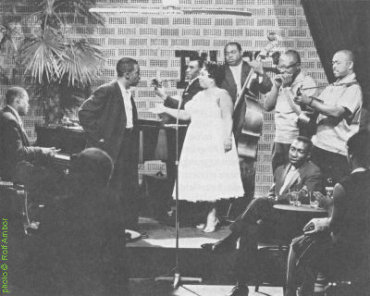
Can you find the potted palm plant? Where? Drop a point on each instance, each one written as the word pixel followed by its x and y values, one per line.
pixel 60 69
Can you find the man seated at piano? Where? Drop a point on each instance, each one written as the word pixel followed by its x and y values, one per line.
pixel 300 175
pixel 19 161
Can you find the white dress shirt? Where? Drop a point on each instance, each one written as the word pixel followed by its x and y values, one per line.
pixel 126 94
pixel 288 179
pixel 237 74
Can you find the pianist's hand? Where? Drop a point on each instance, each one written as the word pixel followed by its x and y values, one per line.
pixel 50 152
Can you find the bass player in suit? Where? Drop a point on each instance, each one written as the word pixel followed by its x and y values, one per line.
pixel 109 118
pixel 300 174
pixel 236 72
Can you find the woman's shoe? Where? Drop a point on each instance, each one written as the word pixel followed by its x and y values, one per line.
pixel 201 226
pixel 213 226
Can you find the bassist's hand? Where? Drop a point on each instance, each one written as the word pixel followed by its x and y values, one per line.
pixel 257 67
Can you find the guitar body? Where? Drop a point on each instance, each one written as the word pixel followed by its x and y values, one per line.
pixel 250 128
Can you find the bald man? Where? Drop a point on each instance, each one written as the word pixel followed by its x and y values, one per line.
pixel 281 99
pixel 339 107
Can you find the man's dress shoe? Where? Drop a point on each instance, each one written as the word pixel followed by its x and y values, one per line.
pixel 221 246
pixel 239 290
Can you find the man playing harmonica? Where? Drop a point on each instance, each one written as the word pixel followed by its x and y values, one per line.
pixel 280 99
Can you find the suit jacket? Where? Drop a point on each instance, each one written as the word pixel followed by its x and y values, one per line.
pixel 229 84
pixel 103 117
pixel 190 91
pixel 14 145
pixel 308 174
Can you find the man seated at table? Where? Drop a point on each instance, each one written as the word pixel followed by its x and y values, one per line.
pixel 338 245
pixel 300 174
pixel 19 161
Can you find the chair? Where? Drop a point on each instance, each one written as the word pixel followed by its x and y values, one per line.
pixel 14 198
pixel 271 255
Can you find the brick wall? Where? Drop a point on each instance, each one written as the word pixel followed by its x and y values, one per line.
pixel 152 39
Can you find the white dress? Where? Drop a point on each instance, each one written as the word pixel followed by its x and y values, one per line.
pixel 206 172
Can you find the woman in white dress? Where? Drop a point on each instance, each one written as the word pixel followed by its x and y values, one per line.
pixel 209 166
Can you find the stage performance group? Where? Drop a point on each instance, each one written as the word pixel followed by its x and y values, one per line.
pixel 318 144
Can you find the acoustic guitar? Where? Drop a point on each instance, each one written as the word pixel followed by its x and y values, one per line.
pixel 307 120
pixel 253 119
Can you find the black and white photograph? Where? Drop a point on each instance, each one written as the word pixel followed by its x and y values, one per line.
pixel 184 147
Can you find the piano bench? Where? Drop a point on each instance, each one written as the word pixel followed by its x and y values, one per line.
pixel 14 201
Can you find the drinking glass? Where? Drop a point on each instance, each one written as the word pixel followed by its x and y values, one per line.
pixel 293 198
pixel 314 203
pixel 329 191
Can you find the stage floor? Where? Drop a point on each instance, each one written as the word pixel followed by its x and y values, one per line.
pixel 163 236
pixel 147 287
pixel 154 256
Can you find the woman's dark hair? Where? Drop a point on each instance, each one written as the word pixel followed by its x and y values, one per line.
pixel 215 72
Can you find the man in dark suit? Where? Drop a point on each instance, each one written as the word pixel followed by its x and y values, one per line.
pixel 109 118
pixel 236 72
pixel 300 174
pixel 19 161
pixel 193 87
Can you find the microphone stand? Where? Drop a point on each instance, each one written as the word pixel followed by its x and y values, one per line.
pixel 177 279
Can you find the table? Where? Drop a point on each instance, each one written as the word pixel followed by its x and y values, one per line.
pixel 294 218
pixel 302 208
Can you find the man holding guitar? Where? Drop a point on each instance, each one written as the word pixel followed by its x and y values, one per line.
pixel 236 73
pixel 281 99
pixel 339 107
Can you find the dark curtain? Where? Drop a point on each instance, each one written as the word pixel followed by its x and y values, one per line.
pixel 342 24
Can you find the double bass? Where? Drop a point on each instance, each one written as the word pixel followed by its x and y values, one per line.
pixel 251 129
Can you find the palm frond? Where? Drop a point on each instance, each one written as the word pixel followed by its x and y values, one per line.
pixel 43 56
pixel 82 64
